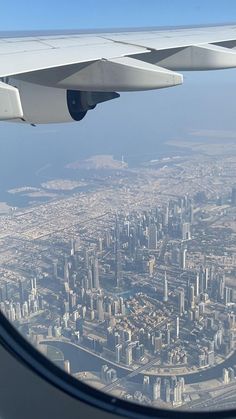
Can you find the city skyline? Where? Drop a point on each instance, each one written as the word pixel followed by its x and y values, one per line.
pixel 132 273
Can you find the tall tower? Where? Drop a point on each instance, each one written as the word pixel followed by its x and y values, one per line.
pixel 118 267
pixel 186 231
pixel 192 297
pixel 152 237
pixel 100 308
pixel 181 301
pixel 182 255
pixel 165 296
pixel 177 327
pixel 197 285
pixel 95 273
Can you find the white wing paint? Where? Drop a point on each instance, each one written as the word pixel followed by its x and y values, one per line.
pixel 59 78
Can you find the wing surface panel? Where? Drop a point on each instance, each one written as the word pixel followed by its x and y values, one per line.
pixel 50 60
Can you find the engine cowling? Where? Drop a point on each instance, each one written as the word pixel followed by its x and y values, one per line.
pixel 45 105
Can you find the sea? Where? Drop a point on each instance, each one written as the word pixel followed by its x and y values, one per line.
pixel 25 164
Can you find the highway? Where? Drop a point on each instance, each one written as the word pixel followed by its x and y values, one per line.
pixel 132 374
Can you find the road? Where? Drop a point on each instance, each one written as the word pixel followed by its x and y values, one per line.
pixel 132 374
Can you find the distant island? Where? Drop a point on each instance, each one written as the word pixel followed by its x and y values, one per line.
pixel 98 162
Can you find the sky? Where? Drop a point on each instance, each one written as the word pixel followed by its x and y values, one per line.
pixel 136 121
pixel 53 14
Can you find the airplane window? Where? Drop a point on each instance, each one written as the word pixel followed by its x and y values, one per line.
pixel 117 239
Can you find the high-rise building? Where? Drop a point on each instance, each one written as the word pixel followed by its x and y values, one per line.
pixel 231 374
pixel 225 376
pixel 158 342
pixel 191 214
pixel 211 358
pixel 156 390
pixel 104 370
pixel 72 249
pixel 95 273
pixel 192 297
pixel 111 375
pixel 166 216
pixel 221 288
pixel 165 390
pixel 100 244
pixel 118 353
pixel 34 285
pixel 180 294
pixel 197 285
pixel 86 259
pixel 177 394
pixel 152 236
pixel 167 335
pixel 128 355
pixel 151 265
pixel 206 279
pixel 100 308
pixel 186 231
pixel 67 366
pixel 228 295
pixel 22 291
pixel 233 195
pixel 146 384
pixel 165 294
pixel 177 327
pixel 66 271
pixel 183 256
pixel 118 264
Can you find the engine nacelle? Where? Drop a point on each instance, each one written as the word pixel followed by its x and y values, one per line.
pixel 45 105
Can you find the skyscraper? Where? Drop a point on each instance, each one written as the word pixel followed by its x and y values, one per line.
pixel 197 285
pixel 186 231
pixel 165 390
pixel 128 355
pixel 146 384
pixel 183 255
pixel 192 297
pixel 100 308
pixel 118 353
pixel 177 327
pixel 95 273
pixel 165 294
pixel 180 294
pixel 22 291
pixel 206 278
pixel 156 390
pixel 118 266
pixel 152 237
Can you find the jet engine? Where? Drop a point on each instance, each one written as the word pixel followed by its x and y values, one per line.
pixel 39 104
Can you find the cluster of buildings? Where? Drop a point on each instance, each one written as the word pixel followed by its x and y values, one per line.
pixel 160 390
pixel 29 302
pixel 144 287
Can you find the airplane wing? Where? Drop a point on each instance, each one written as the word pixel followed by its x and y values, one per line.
pixel 67 75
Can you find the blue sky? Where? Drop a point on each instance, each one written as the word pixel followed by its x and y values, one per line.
pixel 50 14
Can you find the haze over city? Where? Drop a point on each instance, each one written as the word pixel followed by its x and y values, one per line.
pixel 117 233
